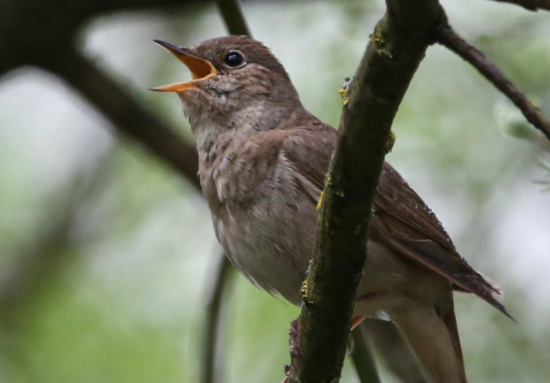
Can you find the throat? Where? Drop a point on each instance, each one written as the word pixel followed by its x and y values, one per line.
pixel 212 143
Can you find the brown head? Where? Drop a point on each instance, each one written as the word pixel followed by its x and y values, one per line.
pixel 236 81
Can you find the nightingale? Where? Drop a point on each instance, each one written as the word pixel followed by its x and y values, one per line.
pixel 262 163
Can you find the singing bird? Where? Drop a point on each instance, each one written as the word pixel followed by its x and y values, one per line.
pixel 262 162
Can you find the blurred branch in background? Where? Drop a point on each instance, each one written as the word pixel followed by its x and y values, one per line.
pixel 218 287
pixel 38 259
pixel 532 5
pixel 54 30
pixel 233 17
pixel 43 256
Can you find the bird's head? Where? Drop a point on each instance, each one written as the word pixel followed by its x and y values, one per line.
pixel 234 78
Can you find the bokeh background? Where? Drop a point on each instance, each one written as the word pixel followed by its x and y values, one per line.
pixel 106 253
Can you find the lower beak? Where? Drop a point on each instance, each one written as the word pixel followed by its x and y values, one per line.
pixel 201 69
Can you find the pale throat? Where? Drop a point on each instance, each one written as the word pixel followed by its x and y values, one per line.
pixel 217 124
pixel 217 130
pixel 214 135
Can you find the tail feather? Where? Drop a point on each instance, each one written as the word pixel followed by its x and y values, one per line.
pixel 454 268
pixel 433 336
pixel 449 319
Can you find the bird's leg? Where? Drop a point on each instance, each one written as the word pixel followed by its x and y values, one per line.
pixel 355 321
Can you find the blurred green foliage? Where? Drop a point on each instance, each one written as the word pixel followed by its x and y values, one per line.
pixel 104 252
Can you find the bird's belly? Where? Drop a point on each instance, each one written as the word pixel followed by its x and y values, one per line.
pixel 272 250
pixel 275 257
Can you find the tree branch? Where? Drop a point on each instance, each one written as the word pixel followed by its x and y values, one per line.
pixel 397 47
pixel 531 5
pixel 217 284
pixel 34 29
pixel 447 36
pixel 233 17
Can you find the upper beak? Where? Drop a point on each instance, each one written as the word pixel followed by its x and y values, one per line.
pixel 200 68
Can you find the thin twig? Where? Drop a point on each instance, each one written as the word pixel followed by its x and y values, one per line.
pixel 531 5
pixel 363 359
pixel 449 38
pixel 233 17
pixel 218 285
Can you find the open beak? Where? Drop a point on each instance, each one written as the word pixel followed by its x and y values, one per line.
pixel 201 69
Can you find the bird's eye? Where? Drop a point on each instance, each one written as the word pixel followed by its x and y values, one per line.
pixel 234 60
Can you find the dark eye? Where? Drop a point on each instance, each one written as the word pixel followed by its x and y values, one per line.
pixel 234 60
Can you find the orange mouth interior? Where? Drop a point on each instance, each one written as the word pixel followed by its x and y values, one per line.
pixel 201 69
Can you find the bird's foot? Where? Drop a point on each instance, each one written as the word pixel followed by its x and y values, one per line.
pixel 287 371
pixel 292 341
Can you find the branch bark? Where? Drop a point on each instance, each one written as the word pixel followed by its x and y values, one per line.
pixel 397 47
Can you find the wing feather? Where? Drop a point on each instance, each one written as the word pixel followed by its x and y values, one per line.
pixel 402 220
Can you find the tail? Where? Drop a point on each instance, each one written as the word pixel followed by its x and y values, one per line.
pixel 433 335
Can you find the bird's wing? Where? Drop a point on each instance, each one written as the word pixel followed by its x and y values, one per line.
pixel 309 150
pixel 402 221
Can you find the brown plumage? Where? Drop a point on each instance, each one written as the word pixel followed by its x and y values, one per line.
pixel 262 162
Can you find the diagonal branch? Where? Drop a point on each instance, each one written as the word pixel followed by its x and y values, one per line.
pixel 124 112
pixel 531 5
pixel 397 47
pixel 447 36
